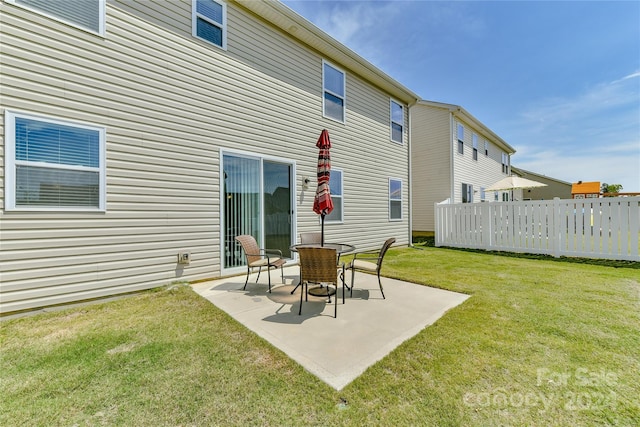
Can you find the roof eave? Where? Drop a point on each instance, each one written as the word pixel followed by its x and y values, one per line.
pixel 304 31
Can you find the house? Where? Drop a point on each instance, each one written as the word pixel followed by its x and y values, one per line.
pixel 140 137
pixel 454 157
pixel 554 188
pixel 585 190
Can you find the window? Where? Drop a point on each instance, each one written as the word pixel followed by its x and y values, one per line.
pixel 333 86
pixel 475 146
pixel 395 199
pixel 397 122
pixel 54 164
pixel 209 21
pixel 483 194
pixel 335 187
pixel 86 14
pixel 505 163
pixel 467 193
pixel 460 139
pixel 505 196
pixel 486 148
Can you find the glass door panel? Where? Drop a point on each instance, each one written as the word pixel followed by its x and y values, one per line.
pixel 241 205
pixel 277 206
pixel 257 201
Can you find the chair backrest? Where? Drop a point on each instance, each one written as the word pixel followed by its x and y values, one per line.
pixel 318 265
pixel 250 247
pixel 385 246
pixel 311 237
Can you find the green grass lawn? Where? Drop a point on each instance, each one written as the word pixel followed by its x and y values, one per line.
pixel 539 343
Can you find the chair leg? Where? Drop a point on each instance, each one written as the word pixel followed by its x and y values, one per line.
pixel 353 283
pixel 247 280
pixel 380 284
pixel 269 277
pixel 301 292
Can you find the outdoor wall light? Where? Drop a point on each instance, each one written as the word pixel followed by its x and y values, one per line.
pixel 305 182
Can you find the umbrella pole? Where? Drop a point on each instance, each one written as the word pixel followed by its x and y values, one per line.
pixel 322 230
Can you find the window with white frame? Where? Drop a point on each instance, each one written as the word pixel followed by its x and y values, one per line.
pixel 460 139
pixel 86 14
pixel 475 146
pixel 486 148
pixel 333 87
pixel 397 122
pixel 505 163
pixel 483 194
pixel 209 21
pixel 335 188
pixel 395 199
pixel 53 164
pixel 467 193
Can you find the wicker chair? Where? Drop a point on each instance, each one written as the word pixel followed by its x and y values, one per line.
pixel 370 262
pixel 258 258
pixel 318 265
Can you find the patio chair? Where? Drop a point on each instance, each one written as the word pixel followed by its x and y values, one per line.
pixel 318 266
pixel 311 237
pixel 369 262
pixel 258 258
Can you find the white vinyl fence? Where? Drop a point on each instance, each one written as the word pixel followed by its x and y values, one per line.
pixel 592 228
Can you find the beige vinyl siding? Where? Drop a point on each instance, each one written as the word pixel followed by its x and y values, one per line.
pixel 431 163
pixel 170 103
pixel 479 173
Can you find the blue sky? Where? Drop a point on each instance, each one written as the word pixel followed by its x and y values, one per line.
pixel 559 81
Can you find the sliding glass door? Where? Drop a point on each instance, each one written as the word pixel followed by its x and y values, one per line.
pixel 257 197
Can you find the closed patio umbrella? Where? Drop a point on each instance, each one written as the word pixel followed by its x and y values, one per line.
pixel 322 203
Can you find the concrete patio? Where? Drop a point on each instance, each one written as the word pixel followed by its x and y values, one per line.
pixel 336 350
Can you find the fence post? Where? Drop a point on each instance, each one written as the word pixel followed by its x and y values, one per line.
pixel 487 232
pixel 556 239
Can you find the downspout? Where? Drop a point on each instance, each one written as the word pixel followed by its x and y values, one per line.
pixel 452 154
pixel 410 173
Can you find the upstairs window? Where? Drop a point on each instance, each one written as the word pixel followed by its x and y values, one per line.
pixel 54 164
pixel 86 14
pixel 395 199
pixel 333 86
pixel 209 21
pixel 397 122
pixel 460 139
pixel 505 163
pixel 335 188
pixel 475 146
pixel 486 148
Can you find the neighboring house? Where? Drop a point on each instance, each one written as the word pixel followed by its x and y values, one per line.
pixel 585 190
pixel 554 188
pixel 454 157
pixel 135 131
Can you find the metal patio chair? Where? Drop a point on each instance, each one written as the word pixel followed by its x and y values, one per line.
pixel 318 266
pixel 369 262
pixel 258 258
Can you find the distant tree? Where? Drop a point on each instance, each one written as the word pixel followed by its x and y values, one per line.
pixel 610 188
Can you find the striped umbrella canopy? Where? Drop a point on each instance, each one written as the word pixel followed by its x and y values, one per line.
pixel 322 203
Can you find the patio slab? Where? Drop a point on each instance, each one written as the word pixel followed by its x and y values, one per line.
pixel 336 350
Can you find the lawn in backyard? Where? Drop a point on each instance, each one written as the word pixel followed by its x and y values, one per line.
pixel 540 342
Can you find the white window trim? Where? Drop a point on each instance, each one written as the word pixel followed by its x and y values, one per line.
pixel 474 142
pixel 401 200
pixel 341 197
pixel 194 23
pixel 101 24
pixel 460 139
pixel 344 90
pixel 10 163
pixel 391 121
